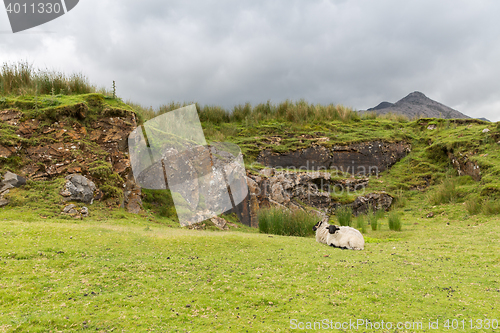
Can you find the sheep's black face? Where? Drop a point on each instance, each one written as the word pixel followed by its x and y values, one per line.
pixel 317 225
pixel 332 229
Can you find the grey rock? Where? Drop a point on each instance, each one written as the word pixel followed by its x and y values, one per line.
pixel 3 202
pixel 132 196
pixel 78 188
pixel 219 223
pixel 268 172
pixel 431 127
pixel 67 209
pixel 378 201
pixel 486 130
pixel 12 179
pixel 5 188
pixel 85 212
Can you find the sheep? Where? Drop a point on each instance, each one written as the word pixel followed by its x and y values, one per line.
pixel 321 229
pixel 345 238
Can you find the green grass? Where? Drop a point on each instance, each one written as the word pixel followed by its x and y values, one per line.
pixel 344 216
pixel 285 223
pixel 360 224
pixel 445 193
pixel 394 221
pixel 23 79
pixel 129 274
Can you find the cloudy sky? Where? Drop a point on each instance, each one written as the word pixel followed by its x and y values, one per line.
pixel 226 52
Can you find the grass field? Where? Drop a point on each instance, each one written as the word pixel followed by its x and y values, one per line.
pixel 124 273
pixel 117 272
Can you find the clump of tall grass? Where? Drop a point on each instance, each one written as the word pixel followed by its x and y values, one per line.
pixel 360 224
pixel 286 223
pixel 399 117
pixel 394 221
pixel 445 193
pixel 23 79
pixel 491 207
pixel 373 217
pixel 344 216
pixel 473 205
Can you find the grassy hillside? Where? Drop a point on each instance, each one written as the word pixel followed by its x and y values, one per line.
pixel 118 272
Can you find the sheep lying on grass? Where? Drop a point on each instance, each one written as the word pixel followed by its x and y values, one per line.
pixel 345 238
pixel 321 229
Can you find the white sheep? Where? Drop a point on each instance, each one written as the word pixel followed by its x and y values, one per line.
pixel 345 238
pixel 321 229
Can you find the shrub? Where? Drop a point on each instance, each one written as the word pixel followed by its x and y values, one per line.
pixel 285 223
pixel 394 221
pixel 344 216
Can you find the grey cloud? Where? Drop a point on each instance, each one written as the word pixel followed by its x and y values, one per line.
pixel 223 52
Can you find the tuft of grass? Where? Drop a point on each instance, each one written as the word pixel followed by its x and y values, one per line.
pixel 395 222
pixel 285 223
pixel 491 207
pixel 23 79
pixel 373 218
pixel 360 224
pixel 445 193
pixel 473 205
pixel 344 216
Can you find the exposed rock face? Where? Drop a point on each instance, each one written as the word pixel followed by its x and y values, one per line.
pixel 132 196
pixel 378 201
pixel 291 190
pixel 64 144
pixel 363 159
pixel 78 188
pixel 465 167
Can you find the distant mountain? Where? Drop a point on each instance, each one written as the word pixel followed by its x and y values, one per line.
pixel 485 119
pixel 417 104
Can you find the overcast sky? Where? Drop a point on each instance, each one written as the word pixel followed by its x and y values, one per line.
pixel 227 52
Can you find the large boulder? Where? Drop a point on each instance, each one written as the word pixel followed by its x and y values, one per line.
pixel 78 188
pixel 10 180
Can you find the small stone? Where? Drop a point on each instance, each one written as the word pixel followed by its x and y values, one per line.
pixel 430 215
pixel 486 130
pixel 85 212
pixel 68 208
pixel 219 223
pixel 431 127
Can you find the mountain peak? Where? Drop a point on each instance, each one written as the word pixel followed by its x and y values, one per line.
pixel 416 104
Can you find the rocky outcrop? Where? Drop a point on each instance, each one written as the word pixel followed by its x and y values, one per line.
pixel 369 158
pixel 296 190
pixel 464 166
pixel 78 188
pixel 65 146
pixel 132 196
pixel 377 201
